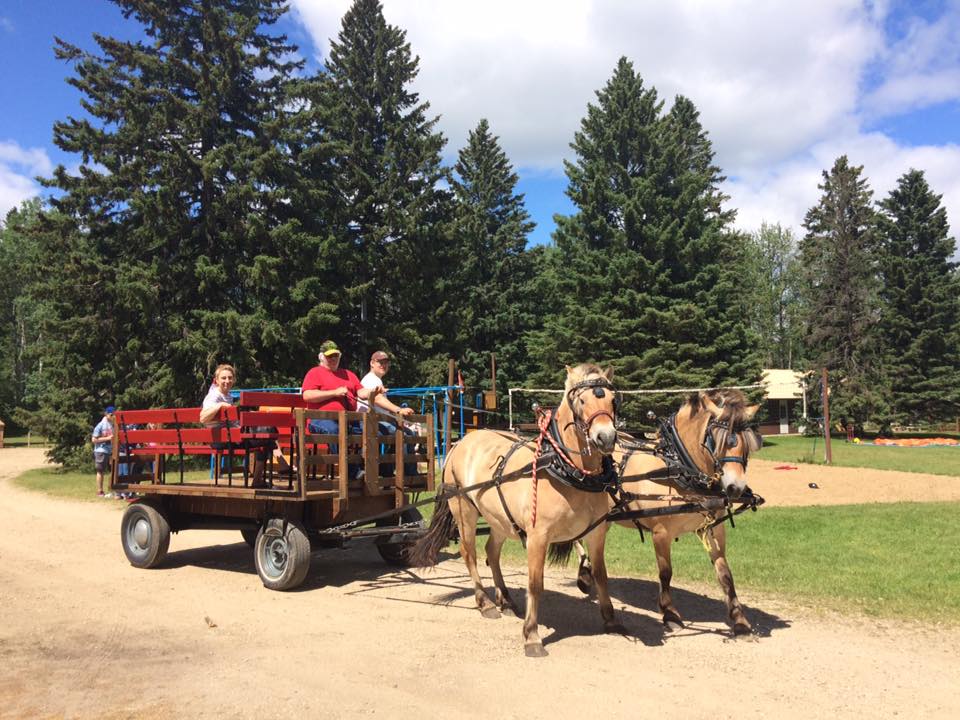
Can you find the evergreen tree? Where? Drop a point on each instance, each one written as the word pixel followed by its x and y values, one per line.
pixel 17 331
pixel 920 302
pixel 772 280
pixel 646 272
pixel 390 236
pixel 490 277
pixel 173 232
pixel 840 287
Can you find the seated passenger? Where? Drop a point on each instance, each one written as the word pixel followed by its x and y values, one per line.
pixel 219 398
pixel 328 387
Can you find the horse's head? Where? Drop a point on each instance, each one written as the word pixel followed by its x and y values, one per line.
pixel 722 419
pixel 590 397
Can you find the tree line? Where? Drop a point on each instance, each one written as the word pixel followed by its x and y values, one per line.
pixel 230 207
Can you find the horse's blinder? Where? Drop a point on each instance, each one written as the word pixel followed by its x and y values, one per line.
pixel 730 439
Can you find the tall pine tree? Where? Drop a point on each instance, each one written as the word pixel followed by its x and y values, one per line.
pixel 391 244
pixel 489 279
pixel 920 303
pixel 171 229
pixel 645 273
pixel 840 288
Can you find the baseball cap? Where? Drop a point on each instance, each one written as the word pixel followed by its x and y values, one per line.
pixel 329 347
pixel 109 410
pixel 379 355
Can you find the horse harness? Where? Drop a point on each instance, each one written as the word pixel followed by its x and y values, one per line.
pixel 680 470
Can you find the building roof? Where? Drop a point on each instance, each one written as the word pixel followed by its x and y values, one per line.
pixel 783 384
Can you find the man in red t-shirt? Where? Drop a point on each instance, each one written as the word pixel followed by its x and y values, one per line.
pixel 327 387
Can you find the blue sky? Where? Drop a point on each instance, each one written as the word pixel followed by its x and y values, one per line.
pixel 783 88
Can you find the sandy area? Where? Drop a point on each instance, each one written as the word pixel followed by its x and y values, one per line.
pixel 85 635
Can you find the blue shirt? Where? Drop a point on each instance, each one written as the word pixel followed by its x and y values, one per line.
pixel 104 427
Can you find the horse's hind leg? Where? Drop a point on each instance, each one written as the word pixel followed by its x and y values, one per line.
pixel 536 559
pixel 504 601
pixel 596 541
pixel 718 556
pixel 661 547
pixel 466 515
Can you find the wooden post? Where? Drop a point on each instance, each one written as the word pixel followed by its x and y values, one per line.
pixel 493 373
pixel 826 418
pixel 448 413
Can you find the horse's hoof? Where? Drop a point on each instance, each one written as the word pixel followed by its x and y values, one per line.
pixel 508 611
pixel 490 613
pixel 741 629
pixel 585 584
pixel 672 622
pixel 614 628
pixel 534 650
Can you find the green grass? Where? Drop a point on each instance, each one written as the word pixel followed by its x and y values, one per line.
pixel 795 448
pixel 21 441
pixel 892 560
pixel 75 485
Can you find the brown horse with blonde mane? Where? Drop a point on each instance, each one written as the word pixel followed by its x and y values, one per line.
pixel 540 500
pixel 714 431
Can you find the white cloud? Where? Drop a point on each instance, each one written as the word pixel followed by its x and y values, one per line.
pixel 785 194
pixel 780 86
pixel 768 78
pixel 922 67
pixel 18 167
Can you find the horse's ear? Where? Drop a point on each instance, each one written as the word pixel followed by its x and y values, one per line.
pixel 749 411
pixel 710 405
pixel 568 369
pixel 608 373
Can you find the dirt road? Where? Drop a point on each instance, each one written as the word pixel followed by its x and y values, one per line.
pixel 85 635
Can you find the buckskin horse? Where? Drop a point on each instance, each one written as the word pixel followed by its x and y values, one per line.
pixel 542 499
pixel 713 430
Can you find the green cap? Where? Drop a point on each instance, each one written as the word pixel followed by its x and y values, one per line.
pixel 329 347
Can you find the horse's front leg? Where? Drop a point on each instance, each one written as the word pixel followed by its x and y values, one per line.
pixel 536 558
pixel 596 541
pixel 718 556
pixel 661 547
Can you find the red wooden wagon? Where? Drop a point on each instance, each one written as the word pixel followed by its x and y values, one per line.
pixel 313 504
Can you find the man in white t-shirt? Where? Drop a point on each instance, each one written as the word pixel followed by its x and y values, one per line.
pixel 379 365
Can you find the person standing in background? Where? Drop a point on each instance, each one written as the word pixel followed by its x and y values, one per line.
pixel 103 446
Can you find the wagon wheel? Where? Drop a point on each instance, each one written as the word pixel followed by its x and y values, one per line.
pixel 250 536
pixel 145 535
pixel 394 552
pixel 282 554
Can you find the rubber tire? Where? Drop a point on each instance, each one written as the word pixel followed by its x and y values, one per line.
pixel 250 536
pixel 283 561
pixel 145 535
pixel 395 553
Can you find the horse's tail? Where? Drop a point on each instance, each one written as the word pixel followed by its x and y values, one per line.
pixel 559 553
pixel 426 551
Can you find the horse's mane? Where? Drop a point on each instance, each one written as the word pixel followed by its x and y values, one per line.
pixel 733 403
pixel 582 372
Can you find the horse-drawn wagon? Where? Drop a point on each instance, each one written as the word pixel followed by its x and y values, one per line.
pixel 329 489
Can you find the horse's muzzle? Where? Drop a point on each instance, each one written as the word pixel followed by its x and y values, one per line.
pixel 604 438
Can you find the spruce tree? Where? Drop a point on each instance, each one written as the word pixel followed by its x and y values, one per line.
pixel 390 235
pixel 172 232
pixel 841 291
pixel 920 303
pixel 645 273
pixel 489 279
